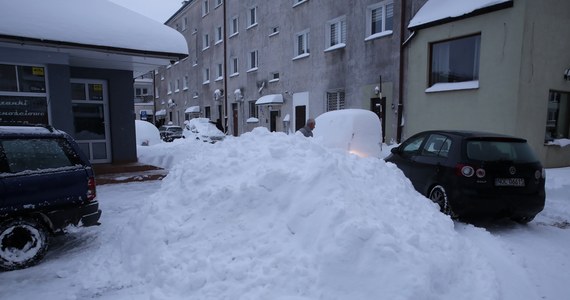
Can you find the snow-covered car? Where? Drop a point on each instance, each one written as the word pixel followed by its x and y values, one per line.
pixel 203 129
pixel 357 131
pixel 169 133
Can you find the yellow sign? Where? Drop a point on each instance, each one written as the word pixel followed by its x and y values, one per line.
pixel 98 87
pixel 38 71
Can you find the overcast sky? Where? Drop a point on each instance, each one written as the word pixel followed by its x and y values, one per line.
pixel 159 10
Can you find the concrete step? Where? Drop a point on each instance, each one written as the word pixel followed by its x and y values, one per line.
pixel 127 172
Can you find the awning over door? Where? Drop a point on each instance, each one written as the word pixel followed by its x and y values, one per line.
pixel 192 109
pixel 270 99
pixel 161 112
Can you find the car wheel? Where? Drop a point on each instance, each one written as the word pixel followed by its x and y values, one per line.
pixel 23 243
pixel 439 196
pixel 522 219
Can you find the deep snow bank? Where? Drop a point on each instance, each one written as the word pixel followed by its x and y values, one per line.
pixel 271 216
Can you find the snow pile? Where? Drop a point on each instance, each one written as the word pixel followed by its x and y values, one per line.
pixel 146 133
pixel 272 216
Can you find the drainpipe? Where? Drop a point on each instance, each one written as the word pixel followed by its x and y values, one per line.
pixel 225 71
pixel 401 73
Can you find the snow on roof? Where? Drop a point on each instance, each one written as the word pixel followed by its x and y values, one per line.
pixel 437 10
pixel 87 22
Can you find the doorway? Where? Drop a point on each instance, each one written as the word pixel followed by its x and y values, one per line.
pixel 273 115
pixel 235 118
pixel 300 116
pixel 90 118
pixel 378 106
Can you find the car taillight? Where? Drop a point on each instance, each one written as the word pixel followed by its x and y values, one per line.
pixel 468 171
pixel 91 190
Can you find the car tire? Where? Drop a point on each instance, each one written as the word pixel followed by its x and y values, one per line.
pixel 438 195
pixel 23 243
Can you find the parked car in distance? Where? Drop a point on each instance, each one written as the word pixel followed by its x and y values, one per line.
pixel 358 131
pixel 169 133
pixel 46 184
pixel 203 129
pixel 474 174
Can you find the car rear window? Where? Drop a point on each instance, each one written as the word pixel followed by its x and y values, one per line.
pixel 175 129
pixel 500 150
pixel 35 154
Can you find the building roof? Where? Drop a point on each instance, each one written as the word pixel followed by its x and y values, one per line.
pixel 84 27
pixel 435 12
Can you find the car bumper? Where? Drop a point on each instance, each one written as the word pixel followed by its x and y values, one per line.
pixel 84 215
pixel 474 203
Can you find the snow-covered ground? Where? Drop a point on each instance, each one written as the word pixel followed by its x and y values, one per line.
pixel 275 216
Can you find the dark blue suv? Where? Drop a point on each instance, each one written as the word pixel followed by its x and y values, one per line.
pixel 46 184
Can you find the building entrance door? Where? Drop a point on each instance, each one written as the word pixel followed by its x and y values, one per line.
pixel 378 106
pixel 90 117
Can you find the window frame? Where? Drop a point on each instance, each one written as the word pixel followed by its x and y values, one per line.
pixel 340 36
pixel 384 31
pixel 234 28
pixel 252 17
pixel 455 65
pixel 234 66
pixel 205 41
pixel 205 7
pixel 340 100
pixel 305 35
pixel 219 35
pixel 220 71
pixel 253 62
pixel 206 75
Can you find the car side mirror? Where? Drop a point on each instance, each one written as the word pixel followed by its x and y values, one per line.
pixel 395 150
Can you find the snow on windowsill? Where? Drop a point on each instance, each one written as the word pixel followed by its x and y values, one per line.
pixel 558 142
pixel 299 3
pixel 233 34
pixel 206 82
pixel 252 120
pixel 218 42
pixel 274 34
pixel 252 70
pixel 234 75
pixel 204 49
pixel 273 80
pixel 453 86
pixel 301 56
pixel 378 35
pixel 251 26
pixel 219 78
pixel 335 47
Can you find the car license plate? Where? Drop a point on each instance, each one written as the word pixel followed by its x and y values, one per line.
pixel 509 181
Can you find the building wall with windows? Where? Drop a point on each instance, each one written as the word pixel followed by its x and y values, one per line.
pixel 495 71
pixel 317 54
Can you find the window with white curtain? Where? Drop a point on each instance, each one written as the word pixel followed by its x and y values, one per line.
pixel 455 60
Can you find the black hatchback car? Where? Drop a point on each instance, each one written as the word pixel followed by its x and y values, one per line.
pixel 472 174
pixel 46 184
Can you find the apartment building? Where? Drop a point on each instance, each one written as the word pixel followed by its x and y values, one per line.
pixel 276 63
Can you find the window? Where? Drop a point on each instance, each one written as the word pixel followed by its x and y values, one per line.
pixel 274 77
pixel 184 23
pixel 206 41
pixel 558 116
pixel 252 20
pixel 455 60
pixel 219 34
pixel 336 32
pixel 186 82
pixel 252 109
pixel 177 86
pixel 234 26
pixel 207 113
pixel 220 72
pixel 205 7
pixel 436 145
pixel 24 79
pixel 302 43
pixel 234 66
pixel 169 88
pixel 380 19
pixel 335 100
pixel 219 2
pixel 206 76
pixel 274 31
pixel 253 60
pixel 36 154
